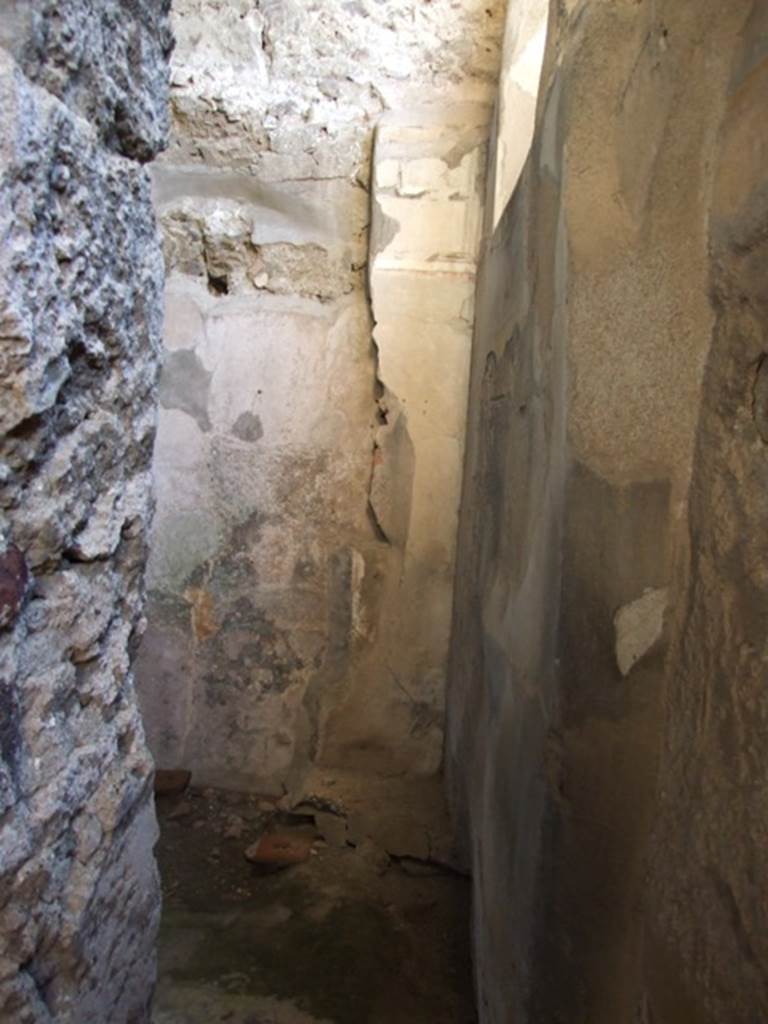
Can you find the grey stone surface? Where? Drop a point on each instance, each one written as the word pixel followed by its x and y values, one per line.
pixel 107 61
pixel 80 317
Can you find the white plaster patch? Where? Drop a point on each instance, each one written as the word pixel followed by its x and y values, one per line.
pixel 638 626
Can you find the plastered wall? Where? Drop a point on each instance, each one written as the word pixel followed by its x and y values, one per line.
pixel 607 708
pixel 321 203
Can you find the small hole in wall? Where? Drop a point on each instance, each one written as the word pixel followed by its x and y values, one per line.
pixel 125 741
pixel 218 285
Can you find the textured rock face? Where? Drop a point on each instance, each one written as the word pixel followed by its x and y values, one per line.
pixel 301 581
pixel 290 89
pixel 80 323
pixel 607 702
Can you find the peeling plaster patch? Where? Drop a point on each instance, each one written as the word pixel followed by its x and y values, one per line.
pixel 247 427
pixel 639 626
pixel 185 385
pixel 392 473
pixel 384 229
pixel 172 183
pixel 464 147
pixel 202 614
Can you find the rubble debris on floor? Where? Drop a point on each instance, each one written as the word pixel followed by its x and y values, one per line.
pixel 346 908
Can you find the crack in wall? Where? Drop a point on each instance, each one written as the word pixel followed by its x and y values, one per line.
pixel 390 483
pixel 381 417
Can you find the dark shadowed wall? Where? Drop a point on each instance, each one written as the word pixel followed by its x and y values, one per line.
pixel 607 738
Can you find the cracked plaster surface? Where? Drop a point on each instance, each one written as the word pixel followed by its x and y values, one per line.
pixel 264 198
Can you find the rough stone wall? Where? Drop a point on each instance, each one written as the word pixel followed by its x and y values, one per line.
pixel 607 703
pixel 709 919
pixel 83 92
pixel 284 596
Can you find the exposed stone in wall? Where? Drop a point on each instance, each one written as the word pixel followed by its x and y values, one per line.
pixel 80 323
pixel 279 620
pixel 613 799
pixel 290 89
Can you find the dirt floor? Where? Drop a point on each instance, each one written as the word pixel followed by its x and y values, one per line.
pixel 369 927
